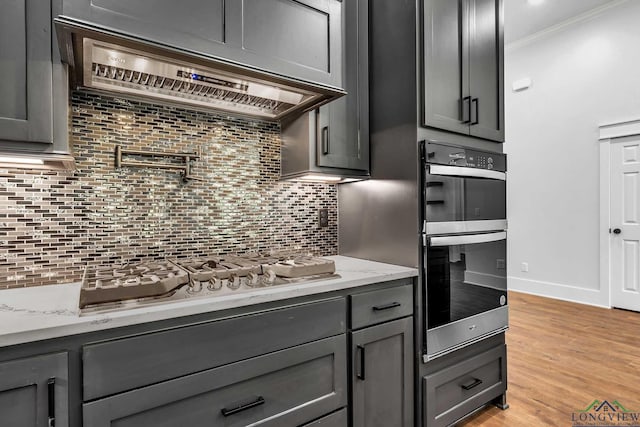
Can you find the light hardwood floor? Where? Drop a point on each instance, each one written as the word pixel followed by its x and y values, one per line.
pixel 561 357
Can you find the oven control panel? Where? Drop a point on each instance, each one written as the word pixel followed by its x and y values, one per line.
pixel 452 155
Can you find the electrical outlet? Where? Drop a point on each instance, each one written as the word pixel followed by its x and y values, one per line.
pixel 524 267
pixel 323 218
pixel 500 264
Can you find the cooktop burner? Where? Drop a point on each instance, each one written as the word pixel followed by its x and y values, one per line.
pixel 107 288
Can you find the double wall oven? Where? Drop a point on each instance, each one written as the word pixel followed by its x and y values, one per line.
pixel 464 238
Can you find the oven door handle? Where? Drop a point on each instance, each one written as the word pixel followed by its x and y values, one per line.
pixel 467 239
pixel 466 172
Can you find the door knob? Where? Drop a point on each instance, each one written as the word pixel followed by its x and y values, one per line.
pixel 617 231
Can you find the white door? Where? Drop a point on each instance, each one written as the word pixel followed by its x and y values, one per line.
pixel 625 224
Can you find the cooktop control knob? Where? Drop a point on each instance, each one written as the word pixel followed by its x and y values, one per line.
pixel 215 284
pixel 234 282
pixel 269 278
pixel 194 287
pixel 252 280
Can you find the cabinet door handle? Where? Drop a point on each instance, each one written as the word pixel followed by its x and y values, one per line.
pixel 325 140
pixel 243 406
pixel 473 384
pixel 475 120
pixel 360 372
pixel 466 110
pixel 386 306
pixel 51 402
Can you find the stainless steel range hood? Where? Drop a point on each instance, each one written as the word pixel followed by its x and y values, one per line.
pixel 106 61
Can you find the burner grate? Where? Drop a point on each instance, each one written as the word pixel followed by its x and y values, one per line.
pixel 143 283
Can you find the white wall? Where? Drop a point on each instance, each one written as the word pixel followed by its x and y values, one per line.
pixel 584 75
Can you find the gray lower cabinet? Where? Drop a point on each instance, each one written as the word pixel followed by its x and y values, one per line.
pixel 114 366
pixel 457 390
pixel 25 87
pixel 382 380
pixel 285 388
pixel 464 67
pixel 337 419
pixel 34 392
pixel 297 38
pixel 334 138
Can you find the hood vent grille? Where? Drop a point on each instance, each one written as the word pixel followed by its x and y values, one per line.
pixel 203 93
pixel 121 69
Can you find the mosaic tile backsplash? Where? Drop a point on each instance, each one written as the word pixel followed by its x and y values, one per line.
pixel 53 224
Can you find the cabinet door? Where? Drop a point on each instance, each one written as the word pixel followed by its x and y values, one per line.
pixel 382 365
pixel 486 69
pixel 194 24
pixel 286 388
pixel 296 38
pixel 343 125
pixel 25 67
pixel 299 38
pixel 337 419
pixel 34 391
pixel 446 101
pixel 457 390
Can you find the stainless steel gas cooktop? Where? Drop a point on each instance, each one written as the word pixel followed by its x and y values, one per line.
pixel 116 287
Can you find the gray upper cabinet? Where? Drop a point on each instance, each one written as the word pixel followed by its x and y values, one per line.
pixel 26 70
pixel 334 139
pixel 34 392
pixel 382 382
pixel 464 67
pixel 486 68
pixel 295 38
pixel 343 125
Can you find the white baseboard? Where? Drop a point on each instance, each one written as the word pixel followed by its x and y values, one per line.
pixel 558 291
pixel 483 279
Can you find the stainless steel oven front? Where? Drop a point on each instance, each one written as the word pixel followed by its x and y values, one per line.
pixel 464 247
pixel 466 289
pixel 464 190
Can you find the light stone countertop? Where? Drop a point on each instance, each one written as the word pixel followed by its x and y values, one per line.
pixel 44 312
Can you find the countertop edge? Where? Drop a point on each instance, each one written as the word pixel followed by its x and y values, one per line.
pixel 65 323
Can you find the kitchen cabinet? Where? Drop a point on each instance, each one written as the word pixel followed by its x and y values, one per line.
pixel 334 139
pixel 34 391
pixel 278 367
pixel 33 88
pixel 337 419
pixel 282 363
pixel 115 366
pixel 295 38
pixel 463 67
pixel 286 388
pixel 382 358
pixel 456 390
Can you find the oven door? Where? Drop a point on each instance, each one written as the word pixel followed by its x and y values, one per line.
pixel 466 289
pixel 464 200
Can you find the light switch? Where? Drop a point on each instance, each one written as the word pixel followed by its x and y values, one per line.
pixel 522 84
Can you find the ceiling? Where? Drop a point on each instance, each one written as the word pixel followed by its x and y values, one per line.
pixel 522 19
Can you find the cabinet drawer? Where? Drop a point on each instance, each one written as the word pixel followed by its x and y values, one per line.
pixel 337 419
pixel 115 366
pixel 379 306
pixel 457 390
pixel 286 388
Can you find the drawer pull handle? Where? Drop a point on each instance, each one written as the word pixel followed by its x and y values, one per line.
pixel 243 406
pixel 360 373
pixel 386 306
pixel 51 402
pixel 475 383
